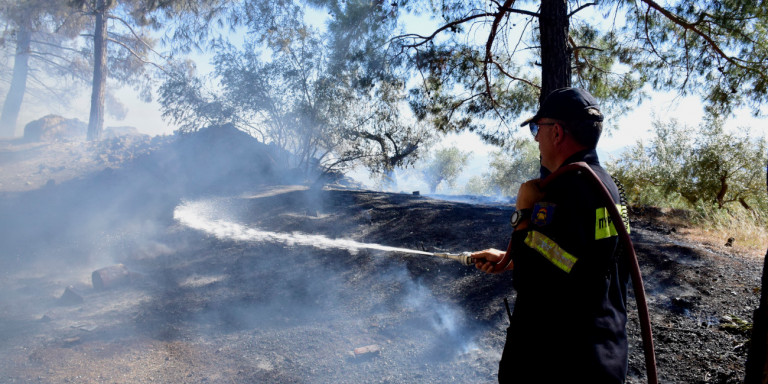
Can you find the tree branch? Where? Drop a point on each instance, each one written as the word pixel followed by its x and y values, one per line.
pixel 136 35
pixel 304 75
pixel 580 8
pixel 392 140
pixel 489 46
pixel 66 20
pixel 694 28
pixel 501 69
pixel 426 39
pixel 43 85
pixel 55 46
pixel 650 41
pixel 137 56
pixel 577 57
pixel 507 9
pixel 43 56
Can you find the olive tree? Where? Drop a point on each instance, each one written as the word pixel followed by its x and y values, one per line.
pixel 511 166
pixel 702 165
pixel 285 87
pixel 444 166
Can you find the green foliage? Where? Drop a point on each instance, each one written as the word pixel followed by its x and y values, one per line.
pixel 131 54
pixel 698 168
pixel 444 167
pixel 184 103
pixel 123 49
pixel 39 37
pixel 510 167
pixel 708 48
pixel 736 325
pixel 287 87
pixel 482 62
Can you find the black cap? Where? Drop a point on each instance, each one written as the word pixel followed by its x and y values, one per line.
pixel 568 104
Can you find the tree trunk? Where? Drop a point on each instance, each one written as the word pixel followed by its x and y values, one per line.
pixel 555 51
pixel 96 119
pixel 757 359
pixel 746 205
pixel 12 104
pixel 723 190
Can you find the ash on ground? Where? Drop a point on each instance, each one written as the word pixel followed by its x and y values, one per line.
pixel 207 307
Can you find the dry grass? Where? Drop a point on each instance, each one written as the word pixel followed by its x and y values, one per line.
pixel 750 243
pixel 749 232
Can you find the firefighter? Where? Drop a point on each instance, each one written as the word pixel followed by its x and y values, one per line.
pixel 569 318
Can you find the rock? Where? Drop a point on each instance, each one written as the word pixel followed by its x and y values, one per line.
pixel 730 241
pixel 55 128
pixel 684 303
pixel 367 350
pixel 70 297
pixel 110 277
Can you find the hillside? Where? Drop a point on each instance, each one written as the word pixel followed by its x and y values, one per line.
pixel 237 275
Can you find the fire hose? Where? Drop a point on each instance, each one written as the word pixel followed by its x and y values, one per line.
pixel 637 280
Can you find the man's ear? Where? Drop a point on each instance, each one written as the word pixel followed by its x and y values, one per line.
pixel 558 133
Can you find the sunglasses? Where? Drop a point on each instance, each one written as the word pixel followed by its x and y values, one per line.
pixel 535 127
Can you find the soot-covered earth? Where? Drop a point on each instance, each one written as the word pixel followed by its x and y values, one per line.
pixel 232 274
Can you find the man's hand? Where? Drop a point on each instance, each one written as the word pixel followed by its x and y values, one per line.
pixel 529 194
pixel 488 259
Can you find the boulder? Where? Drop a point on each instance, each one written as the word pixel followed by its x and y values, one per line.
pixel 55 128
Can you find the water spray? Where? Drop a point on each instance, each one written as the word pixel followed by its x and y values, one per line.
pixel 203 216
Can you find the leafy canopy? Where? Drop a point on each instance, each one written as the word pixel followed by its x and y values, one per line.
pixel 287 87
pixel 510 167
pixel 480 67
pixel 444 166
pixel 703 166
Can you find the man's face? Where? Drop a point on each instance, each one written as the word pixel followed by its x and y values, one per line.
pixel 545 138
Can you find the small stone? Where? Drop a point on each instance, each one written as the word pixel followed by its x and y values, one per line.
pixel 70 297
pixel 367 350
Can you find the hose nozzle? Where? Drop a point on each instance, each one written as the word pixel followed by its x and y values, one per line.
pixel 465 258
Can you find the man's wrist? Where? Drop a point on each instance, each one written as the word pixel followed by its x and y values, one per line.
pixel 520 216
pixel 523 225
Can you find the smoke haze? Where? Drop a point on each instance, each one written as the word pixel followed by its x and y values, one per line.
pixel 236 274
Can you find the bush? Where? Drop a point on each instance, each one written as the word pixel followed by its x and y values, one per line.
pixel 515 164
pixel 700 168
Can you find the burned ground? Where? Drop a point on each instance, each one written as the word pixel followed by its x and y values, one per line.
pixel 207 309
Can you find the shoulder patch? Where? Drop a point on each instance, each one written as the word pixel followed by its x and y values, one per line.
pixel 604 225
pixel 543 213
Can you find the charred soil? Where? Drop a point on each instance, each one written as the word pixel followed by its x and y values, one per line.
pixel 260 292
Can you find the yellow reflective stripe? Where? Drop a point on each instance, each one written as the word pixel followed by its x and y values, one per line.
pixel 604 227
pixel 549 249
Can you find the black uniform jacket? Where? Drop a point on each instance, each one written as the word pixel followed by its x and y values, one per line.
pixel 569 320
